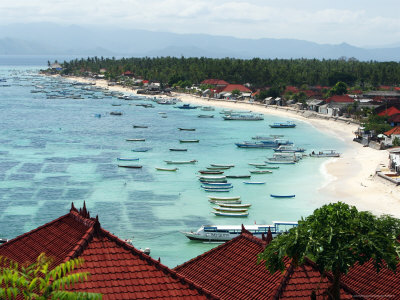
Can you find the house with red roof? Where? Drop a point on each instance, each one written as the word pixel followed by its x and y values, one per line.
pixel 117 269
pixel 393 110
pixel 226 92
pixel 231 271
pixel 217 83
pixel 128 74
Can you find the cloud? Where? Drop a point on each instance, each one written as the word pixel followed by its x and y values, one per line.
pixel 340 21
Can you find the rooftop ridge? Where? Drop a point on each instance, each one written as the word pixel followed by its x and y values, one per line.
pixel 245 235
pixel 285 278
pixel 157 263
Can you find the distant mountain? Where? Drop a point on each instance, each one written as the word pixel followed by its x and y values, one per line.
pixel 48 38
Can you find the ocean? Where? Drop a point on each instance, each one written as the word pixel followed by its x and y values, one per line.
pixel 56 151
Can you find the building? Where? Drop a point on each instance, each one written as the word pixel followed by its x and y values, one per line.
pixel 231 271
pixel 118 270
pixel 392 134
pixel 217 83
pixel 226 92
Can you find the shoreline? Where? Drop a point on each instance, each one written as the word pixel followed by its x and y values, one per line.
pixel 350 178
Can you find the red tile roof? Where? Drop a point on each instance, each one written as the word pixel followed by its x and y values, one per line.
pixel 118 270
pixel 395 118
pixel 292 89
pixel 232 87
pixel 214 82
pixel 340 99
pixel 389 112
pixel 394 130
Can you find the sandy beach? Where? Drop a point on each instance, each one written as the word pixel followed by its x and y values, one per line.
pixel 350 178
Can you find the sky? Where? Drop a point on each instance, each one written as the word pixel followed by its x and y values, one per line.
pixel 356 22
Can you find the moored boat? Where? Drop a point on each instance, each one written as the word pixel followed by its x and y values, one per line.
pixel 227 232
pixel 127 159
pixel 189 141
pixel 205 116
pixel 238 176
pixel 282 196
pixel 254 182
pixel 223 199
pixel 177 149
pixel 325 153
pixel 218 168
pixel 230 209
pixel 257 164
pixel 135 140
pixel 186 106
pixel 211 172
pixel 287 124
pixel 167 169
pixel 260 172
pixel 143 149
pixel 187 129
pixel 140 126
pixel 130 166
pixel 267 167
pixel 243 117
pixel 222 166
pixel 217 187
pixel 180 162
pixel 232 205
pixel 231 214
pixel 288 149
pixel 217 190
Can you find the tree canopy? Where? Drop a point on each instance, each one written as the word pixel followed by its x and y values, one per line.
pixel 257 72
pixel 335 237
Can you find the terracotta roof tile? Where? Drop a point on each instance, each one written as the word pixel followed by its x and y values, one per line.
pixel 394 130
pixel 389 112
pixel 118 270
pixel 340 99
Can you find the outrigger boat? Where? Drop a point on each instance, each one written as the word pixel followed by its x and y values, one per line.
pixel 187 129
pixel 230 205
pixel 231 214
pixel 217 184
pixel 287 124
pixel 229 209
pixel 282 196
pixel 205 116
pixel 182 162
pixel 257 164
pixel 211 178
pixel 189 141
pixel 254 182
pixel 177 149
pixel 166 169
pixel 217 187
pixel 217 190
pixel 238 176
pixel 218 168
pixel 127 159
pixel 135 140
pixel 325 153
pixel 144 149
pixel 223 199
pixel 267 167
pixel 222 233
pixel 140 126
pixel 260 172
pixel 130 166
pixel 222 166
pixel 211 172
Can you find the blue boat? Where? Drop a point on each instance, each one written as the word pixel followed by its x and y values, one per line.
pixel 143 149
pixel 254 182
pixel 211 187
pixel 287 124
pixel 217 184
pixel 282 196
pixel 186 106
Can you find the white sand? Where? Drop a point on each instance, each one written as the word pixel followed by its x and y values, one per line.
pixel 350 178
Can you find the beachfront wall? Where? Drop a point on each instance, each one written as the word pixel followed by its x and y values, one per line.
pixel 394 159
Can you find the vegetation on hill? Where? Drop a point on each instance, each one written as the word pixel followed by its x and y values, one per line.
pixel 258 72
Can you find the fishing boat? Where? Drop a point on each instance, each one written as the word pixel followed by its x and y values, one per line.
pixel 177 149
pixel 216 190
pixel 211 172
pixel 217 183
pixel 224 233
pixel 267 167
pixel 205 116
pixel 231 205
pixel 167 169
pixel 243 117
pixel 218 168
pixel 207 108
pixel 212 178
pixel 283 158
pixel 226 202
pixel 217 187
pixel 127 159
pixel 186 106
pixel 116 113
pixel 143 149
pixel 282 196
pixel 257 164
pixel 130 166
pixel 187 129
pixel 135 140
pixel 207 181
pixel 287 124
pixel 180 162
pixel 222 166
pixel 224 199
pixel 270 137
pixel 140 126
pixel 189 141
pixel 325 153
pixel 254 182
pixel 238 176
pixel 256 145
pixel 230 209
pixel 260 172
pixel 288 149
pixel 231 214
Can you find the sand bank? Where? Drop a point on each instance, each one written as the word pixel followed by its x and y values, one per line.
pixel 350 178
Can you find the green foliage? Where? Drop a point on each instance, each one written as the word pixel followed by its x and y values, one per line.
pixel 258 72
pixel 340 88
pixel 377 123
pixel 396 142
pixel 236 93
pixel 335 237
pixel 37 281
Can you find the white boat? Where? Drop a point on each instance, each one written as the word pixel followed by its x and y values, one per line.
pixel 211 187
pixel 217 190
pixel 127 159
pixel 135 140
pixel 215 233
pixel 222 166
pixel 244 117
pixel 325 153
pixel 231 205
pixel 180 162
pixel 212 177
pixel 257 164
pixel 229 209
pixel 223 199
pixel 260 172
pixel 231 214
pixel 254 182
pixel 218 202
pixel 220 184
pixel 288 149
pixel 283 158
pixel 167 169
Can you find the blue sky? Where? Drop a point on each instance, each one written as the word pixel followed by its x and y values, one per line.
pixel 357 22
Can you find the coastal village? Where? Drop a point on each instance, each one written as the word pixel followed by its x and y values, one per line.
pixel 234 269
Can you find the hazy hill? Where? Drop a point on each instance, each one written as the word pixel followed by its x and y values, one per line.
pixel 48 38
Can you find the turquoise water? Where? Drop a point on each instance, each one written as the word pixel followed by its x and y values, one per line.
pixel 55 151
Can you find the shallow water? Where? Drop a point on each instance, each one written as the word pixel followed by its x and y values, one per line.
pixel 55 151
